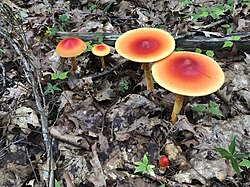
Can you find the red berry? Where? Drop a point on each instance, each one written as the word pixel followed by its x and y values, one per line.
pixel 163 162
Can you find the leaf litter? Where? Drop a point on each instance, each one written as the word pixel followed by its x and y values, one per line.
pixel 99 130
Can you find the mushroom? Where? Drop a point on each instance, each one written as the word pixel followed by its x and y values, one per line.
pixel 101 50
pixel 187 74
pixel 145 45
pixel 71 47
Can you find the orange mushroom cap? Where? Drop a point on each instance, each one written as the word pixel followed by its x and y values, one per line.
pixel 70 47
pixel 188 73
pixel 101 50
pixel 145 45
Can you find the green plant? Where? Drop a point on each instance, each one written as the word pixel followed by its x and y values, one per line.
pixel 209 53
pixel 106 8
pixel 51 89
pixel 211 108
pixel 91 6
pixel 123 86
pixel 231 155
pixel 228 27
pixel 144 166
pixel 64 19
pixel 185 2
pixel 51 31
pixel 62 76
pixel 57 184
pixel 230 43
pixel 89 46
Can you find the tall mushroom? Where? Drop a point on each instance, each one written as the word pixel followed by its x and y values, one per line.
pixel 70 48
pixel 145 45
pixel 101 50
pixel 187 74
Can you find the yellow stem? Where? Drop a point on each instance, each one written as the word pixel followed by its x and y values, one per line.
pixel 74 64
pixel 177 107
pixel 148 76
pixel 103 62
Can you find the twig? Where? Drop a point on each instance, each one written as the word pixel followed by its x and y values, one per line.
pixel 30 77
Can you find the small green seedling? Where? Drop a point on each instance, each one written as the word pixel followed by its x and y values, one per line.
pixel 61 76
pixel 91 6
pixel 51 89
pixel 230 43
pixel 231 155
pixel 123 86
pixel 211 108
pixel 51 31
pixel 57 184
pixel 106 8
pixel 144 166
pixel 209 53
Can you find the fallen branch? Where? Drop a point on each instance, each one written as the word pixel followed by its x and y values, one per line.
pixel 188 41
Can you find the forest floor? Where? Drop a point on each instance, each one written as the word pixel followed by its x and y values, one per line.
pixel 88 129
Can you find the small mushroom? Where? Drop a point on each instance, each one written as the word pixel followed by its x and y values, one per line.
pixel 145 45
pixel 71 48
pixel 187 74
pixel 101 50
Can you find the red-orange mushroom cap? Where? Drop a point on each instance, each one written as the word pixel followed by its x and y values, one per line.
pixel 101 50
pixel 145 44
pixel 70 47
pixel 188 73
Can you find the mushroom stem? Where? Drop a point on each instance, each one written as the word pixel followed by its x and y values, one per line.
pixel 74 64
pixel 177 107
pixel 148 76
pixel 103 61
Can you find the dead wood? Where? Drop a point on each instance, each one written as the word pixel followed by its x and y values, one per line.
pixel 189 41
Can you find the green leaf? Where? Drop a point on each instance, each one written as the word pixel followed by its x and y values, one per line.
pixel 138 163
pixel 230 30
pixel 212 104
pixel 235 165
pixel 59 76
pixel 23 14
pixel 210 53
pixel 216 112
pixel 240 156
pixel 204 14
pixel 106 8
pixel 141 169
pixel 231 147
pixel 226 26
pixel 150 170
pixel 179 49
pixel 198 50
pixel 235 38
pixel 162 185
pixel 57 184
pixel 199 108
pixel 227 44
pixel 245 163
pixel 223 152
pixel 145 159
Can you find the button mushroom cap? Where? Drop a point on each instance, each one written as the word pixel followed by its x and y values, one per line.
pixel 188 73
pixel 101 50
pixel 70 47
pixel 145 44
